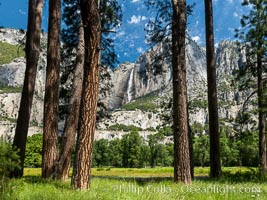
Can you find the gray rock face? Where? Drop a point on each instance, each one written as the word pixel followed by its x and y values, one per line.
pixel 133 80
pixel 137 118
pixel 11 36
pixel 120 78
pixel 12 74
pixel 140 79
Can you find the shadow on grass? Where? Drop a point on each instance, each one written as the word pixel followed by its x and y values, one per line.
pixel 41 181
pixel 245 175
pixel 251 175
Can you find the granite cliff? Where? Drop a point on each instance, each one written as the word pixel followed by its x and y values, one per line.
pixel 140 95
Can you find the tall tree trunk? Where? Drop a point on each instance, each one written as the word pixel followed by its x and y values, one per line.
pixel 72 119
pixel 51 90
pixel 215 164
pixel 92 37
pixel 32 56
pixel 262 117
pixel 180 118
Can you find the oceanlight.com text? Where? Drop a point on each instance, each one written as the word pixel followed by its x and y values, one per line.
pixel 215 189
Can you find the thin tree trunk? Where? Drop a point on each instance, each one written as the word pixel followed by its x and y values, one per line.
pixel 262 118
pixel 215 164
pixel 32 56
pixel 92 36
pixel 180 127
pixel 71 124
pixel 51 91
pixel 191 149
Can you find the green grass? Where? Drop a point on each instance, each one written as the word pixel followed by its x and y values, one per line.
pixel 114 183
pixel 231 172
pixel 5 118
pixel 122 127
pixel 9 52
pixel 144 103
pixel 198 104
pixel 10 89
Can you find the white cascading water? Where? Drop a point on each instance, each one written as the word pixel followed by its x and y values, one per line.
pixel 130 85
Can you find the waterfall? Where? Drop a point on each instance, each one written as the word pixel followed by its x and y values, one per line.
pixel 130 86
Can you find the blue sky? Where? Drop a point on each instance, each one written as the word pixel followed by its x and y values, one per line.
pixel 130 37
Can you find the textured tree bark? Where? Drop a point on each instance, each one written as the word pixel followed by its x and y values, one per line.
pixel 180 127
pixel 262 117
pixel 51 91
pixel 215 163
pixel 32 56
pixel 92 36
pixel 71 124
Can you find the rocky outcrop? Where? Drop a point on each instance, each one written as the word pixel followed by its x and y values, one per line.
pixel 138 118
pixel 12 36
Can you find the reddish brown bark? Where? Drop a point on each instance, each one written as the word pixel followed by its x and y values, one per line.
pixel 182 172
pixel 51 91
pixel 92 36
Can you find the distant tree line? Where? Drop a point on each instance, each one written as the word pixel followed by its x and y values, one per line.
pixel 133 151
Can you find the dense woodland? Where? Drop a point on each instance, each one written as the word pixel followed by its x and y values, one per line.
pixel 87 36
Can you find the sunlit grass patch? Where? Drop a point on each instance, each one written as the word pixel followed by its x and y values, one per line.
pixel 10 89
pixel 9 52
pixel 108 188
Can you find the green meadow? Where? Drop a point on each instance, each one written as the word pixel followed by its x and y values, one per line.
pixel 144 183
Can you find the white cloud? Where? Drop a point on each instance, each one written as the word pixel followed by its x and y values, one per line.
pixel 22 12
pixel 196 38
pixel 121 33
pixel 140 50
pixel 230 29
pixel 136 19
pixel 143 18
pixel 134 1
pixel 235 14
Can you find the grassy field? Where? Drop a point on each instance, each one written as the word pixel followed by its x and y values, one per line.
pixel 156 184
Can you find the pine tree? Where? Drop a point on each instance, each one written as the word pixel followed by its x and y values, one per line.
pixel 110 18
pixel 215 163
pixel 160 30
pixel 35 10
pixel 92 37
pixel 72 118
pixel 253 35
pixel 51 91
pixel 182 171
